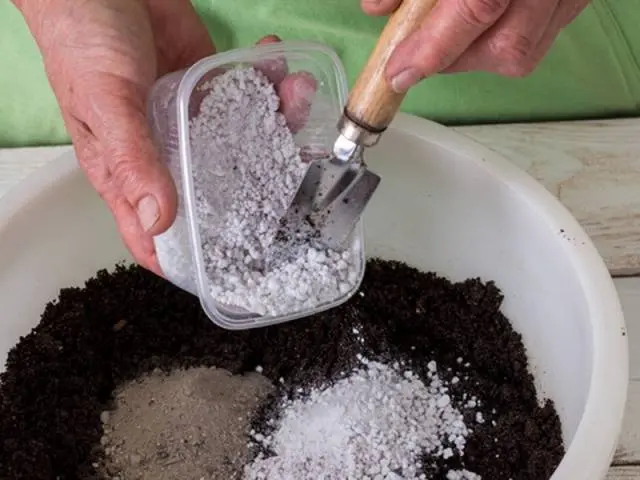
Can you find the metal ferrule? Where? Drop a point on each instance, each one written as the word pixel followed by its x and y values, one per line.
pixel 357 134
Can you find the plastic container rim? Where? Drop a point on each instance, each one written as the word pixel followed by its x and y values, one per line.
pixel 187 84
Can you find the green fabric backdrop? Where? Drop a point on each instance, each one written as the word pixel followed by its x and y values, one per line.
pixel 592 71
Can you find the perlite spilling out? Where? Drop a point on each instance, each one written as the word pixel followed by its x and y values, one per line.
pixel 247 169
pixel 380 422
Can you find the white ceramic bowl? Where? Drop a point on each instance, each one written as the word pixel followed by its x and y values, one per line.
pixel 445 204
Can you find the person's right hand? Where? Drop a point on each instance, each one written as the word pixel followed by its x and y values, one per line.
pixel 507 37
pixel 101 57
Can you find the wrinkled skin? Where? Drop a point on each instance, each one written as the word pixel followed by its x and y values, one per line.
pixel 507 37
pixel 102 56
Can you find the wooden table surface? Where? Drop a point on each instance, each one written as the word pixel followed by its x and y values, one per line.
pixel 592 167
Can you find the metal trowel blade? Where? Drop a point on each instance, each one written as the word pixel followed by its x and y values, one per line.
pixel 329 202
pixel 336 220
pixel 305 197
pixel 336 176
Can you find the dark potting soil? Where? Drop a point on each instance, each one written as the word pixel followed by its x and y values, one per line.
pixel 61 376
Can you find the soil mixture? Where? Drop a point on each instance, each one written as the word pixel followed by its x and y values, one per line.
pixel 122 325
pixel 192 423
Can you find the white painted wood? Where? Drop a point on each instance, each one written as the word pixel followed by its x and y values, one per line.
pixel 624 473
pixel 628 451
pixel 592 167
pixel 629 293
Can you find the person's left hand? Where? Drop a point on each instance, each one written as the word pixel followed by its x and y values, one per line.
pixel 102 58
pixel 507 37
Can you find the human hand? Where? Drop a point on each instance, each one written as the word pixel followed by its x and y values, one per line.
pixel 507 37
pixel 101 58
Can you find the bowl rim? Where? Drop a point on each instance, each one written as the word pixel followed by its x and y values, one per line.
pixel 596 437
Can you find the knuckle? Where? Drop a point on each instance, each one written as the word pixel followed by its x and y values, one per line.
pixel 124 171
pixel 572 10
pixel 91 159
pixel 481 12
pixel 100 178
pixel 512 47
pixel 98 174
pixel 517 69
pixel 379 7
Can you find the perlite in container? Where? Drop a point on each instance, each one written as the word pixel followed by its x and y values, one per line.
pixel 238 131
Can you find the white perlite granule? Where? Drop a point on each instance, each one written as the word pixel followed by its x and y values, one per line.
pixel 374 424
pixel 462 475
pixel 248 170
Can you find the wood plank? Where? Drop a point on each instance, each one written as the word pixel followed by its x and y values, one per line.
pixel 628 451
pixel 593 167
pixel 629 293
pixel 624 473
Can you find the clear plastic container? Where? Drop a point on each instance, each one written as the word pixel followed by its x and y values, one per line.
pixel 173 102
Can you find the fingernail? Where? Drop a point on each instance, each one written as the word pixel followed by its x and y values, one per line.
pixel 406 79
pixel 148 212
pixel 269 39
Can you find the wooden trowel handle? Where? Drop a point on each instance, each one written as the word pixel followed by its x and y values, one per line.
pixel 372 103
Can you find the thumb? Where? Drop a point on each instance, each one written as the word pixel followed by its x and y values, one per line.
pixel 379 7
pixel 132 161
pixel 115 148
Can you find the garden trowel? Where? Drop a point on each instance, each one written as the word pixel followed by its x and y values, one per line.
pixel 336 189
